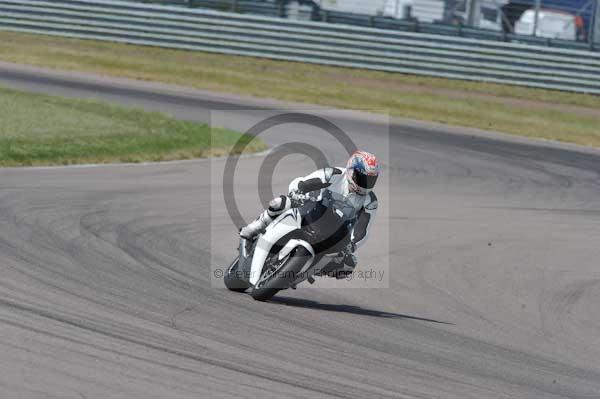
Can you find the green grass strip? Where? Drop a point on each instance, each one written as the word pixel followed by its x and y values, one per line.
pixel 47 130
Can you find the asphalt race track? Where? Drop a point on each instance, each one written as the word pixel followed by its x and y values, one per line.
pixel 490 244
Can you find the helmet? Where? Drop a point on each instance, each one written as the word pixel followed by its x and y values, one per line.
pixel 362 171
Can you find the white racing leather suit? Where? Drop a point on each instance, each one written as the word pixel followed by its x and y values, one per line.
pixel 365 205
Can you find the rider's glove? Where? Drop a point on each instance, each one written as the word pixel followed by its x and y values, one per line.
pixel 297 197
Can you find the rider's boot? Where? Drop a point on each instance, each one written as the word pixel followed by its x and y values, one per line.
pixel 256 227
pixel 340 267
pixel 277 206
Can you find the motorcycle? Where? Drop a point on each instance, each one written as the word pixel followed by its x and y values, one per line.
pixel 305 241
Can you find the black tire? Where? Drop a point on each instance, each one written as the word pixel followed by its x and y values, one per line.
pixel 283 278
pixel 232 279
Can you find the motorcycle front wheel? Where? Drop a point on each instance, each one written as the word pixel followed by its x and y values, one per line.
pixel 273 281
pixel 232 278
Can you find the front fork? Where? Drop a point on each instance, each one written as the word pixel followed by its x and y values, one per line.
pixel 246 249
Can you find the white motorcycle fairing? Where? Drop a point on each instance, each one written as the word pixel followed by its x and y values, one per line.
pixel 285 223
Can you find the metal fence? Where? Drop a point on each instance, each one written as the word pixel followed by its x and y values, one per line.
pixel 557 23
pixel 307 41
pixel 274 8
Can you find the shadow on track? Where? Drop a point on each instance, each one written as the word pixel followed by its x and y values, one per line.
pixel 308 304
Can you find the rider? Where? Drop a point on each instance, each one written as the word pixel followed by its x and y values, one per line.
pixel 355 183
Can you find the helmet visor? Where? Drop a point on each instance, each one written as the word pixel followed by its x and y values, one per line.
pixel 364 181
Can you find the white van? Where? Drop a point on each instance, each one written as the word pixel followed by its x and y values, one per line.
pixel 551 24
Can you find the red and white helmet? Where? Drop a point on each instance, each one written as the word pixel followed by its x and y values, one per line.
pixel 362 171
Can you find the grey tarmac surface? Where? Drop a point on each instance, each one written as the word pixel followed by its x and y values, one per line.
pixel 492 245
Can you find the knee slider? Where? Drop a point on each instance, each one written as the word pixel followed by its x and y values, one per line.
pixel 277 205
